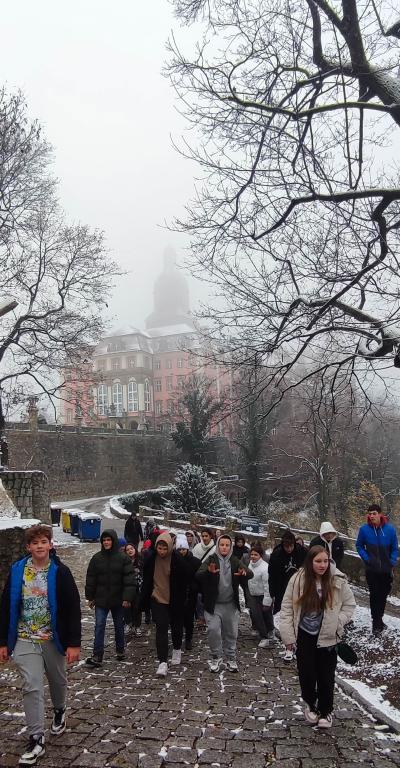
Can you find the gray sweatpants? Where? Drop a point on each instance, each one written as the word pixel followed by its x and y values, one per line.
pixel 33 660
pixel 222 630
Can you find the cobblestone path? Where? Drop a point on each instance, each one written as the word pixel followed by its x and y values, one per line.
pixel 123 717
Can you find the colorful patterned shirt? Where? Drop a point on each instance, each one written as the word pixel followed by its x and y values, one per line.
pixel 35 623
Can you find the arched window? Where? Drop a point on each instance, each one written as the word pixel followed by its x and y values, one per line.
pixel 133 403
pixel 117 399
pixel 147 397
pixel 102 400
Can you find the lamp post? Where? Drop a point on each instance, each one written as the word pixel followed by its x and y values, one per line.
pixel 6 305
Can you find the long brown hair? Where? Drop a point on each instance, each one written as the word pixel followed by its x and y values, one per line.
pixel 310 600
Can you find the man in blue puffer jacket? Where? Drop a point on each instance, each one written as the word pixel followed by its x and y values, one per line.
pixel 377 546
pixel 40 625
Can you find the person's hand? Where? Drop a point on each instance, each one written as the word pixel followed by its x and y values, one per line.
pixel 72 655
pixel 91 603
pixel 3 654
pixel 241 572
pixel 126 604
pixel 212 568
pixel 290 647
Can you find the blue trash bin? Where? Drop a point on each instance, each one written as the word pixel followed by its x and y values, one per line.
pixel 73 516
pixel 89 526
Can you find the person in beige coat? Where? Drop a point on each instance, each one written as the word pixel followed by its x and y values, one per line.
pixel 316 606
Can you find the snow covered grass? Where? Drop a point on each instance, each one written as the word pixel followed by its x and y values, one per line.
pixel 377 674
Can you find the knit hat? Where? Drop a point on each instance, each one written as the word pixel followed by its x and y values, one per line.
pixel 121 542
pixel 146 544
pixel 181 542
pixel 326 527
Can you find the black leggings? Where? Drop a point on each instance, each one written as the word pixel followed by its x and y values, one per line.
pixel 164 617
pixel 316 668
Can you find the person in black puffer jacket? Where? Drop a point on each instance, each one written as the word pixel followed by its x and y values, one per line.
pixel 110 586
pixel 285 560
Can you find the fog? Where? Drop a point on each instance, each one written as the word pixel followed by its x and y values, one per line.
pixel 91 73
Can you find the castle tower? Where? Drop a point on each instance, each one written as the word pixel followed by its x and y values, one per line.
pixel 171 296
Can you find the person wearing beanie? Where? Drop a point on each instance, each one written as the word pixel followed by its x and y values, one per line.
pixel 332 543
pixel 110 586
pixel 377 546
pixel 166 577
pixel 219 577
pixel 121 543
pixel 286 558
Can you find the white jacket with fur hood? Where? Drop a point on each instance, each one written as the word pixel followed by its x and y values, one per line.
pixel 334 619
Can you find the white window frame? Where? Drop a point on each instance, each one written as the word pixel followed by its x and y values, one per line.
pixel 133 397
pixel 102 400
pixel 147 396
pixel 117 398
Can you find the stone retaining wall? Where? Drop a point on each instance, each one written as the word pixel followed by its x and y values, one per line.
pixel 30 493
pixel 12 547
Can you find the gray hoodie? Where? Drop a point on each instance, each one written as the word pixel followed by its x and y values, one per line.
pixel 225 589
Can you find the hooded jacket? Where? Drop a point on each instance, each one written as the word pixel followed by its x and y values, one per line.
pixel 377 546
pixel 334 619
pixel 210 582
pixel 335 548
pixel 64 605
pixel 110 578
pixel 258 586
pixel 182 571
pixel 282 565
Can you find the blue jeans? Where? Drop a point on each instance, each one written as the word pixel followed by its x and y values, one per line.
pixel 100 627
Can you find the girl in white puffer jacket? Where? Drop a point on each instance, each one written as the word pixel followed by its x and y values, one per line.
pixel 260 601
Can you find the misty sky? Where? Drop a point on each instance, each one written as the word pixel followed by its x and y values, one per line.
pixel 91 73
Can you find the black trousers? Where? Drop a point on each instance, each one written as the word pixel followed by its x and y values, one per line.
pixel 189 614
pixel 316 668
pixel 132 615
pixel 379 585
pixel 261 617
pixel 164 617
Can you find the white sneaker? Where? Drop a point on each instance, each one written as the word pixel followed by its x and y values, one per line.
pixel 176 657
pixel 215 665
pixel 325 722
pixel 231 665
pixel 288 656
pixel 264 643
pixel 162 669
pixel 310 716
pixel 35 750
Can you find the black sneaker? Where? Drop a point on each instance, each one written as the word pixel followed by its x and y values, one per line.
pixel 59 723
pixel 120 656
pixel 35 750
pixel 94 661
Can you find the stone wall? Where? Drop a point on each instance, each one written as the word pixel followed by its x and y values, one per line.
pixel 12 547
pixel 86 464
pixel 29 491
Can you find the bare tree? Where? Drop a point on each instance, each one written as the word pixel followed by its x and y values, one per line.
pixel 199 409
pixel 60 274
pixel 253 419
pixel 296 218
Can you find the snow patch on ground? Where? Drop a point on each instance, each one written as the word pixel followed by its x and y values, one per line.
pixel 375 697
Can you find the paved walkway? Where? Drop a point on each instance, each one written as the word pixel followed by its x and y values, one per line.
pixel 123 717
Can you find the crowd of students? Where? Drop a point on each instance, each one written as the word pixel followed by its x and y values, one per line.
pixel 176 580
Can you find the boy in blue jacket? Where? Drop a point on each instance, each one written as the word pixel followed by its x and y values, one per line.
pixel 377 546
pixel 40 625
